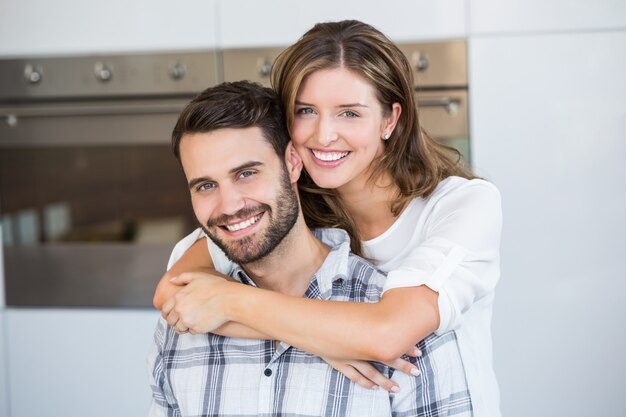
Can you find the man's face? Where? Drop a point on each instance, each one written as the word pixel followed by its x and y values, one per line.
pixel 241 191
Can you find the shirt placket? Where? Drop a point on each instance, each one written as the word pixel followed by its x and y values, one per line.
pixel 267 383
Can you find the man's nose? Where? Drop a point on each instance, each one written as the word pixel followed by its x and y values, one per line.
pixel 230 200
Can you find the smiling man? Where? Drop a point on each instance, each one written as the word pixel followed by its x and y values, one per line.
pixel 233 146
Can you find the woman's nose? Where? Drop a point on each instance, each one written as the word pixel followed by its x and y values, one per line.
pixel 327 132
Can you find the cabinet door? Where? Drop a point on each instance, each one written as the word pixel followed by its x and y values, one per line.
pixel 512 16
pixel 36 27
pixel 77 363
pixel 4 372
pixel 253 23
pixel 548 119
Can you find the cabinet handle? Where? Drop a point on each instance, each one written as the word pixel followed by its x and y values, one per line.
pixel 13 114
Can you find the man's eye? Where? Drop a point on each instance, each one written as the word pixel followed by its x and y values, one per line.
pixel 246 174
pixel 206 186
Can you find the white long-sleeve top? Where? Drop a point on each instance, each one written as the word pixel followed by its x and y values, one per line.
pixel 450 242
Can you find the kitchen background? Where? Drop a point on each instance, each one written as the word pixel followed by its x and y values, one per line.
pixel 547 118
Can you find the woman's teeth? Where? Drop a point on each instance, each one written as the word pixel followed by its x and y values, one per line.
pixel 243 224
pixel 329 156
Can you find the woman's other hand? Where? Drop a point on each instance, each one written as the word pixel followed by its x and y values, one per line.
pixel 366 375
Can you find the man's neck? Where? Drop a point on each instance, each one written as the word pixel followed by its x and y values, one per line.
pixel 288 269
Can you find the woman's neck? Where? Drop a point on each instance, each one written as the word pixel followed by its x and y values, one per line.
pixel 369 204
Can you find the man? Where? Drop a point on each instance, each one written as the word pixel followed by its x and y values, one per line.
pixel 232 143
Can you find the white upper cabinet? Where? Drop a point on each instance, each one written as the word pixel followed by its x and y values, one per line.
pixel 513 16
pixel 253 23
pixel 42 27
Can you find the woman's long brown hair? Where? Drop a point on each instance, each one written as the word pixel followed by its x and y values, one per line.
pixel 415 162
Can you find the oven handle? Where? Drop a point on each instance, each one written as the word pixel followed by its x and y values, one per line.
pixel 450 104
pixel 95 110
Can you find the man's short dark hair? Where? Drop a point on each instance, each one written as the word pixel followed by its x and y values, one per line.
pixel 239 104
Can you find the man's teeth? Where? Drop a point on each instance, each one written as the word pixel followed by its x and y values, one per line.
pixel 329 156
pixel 243 224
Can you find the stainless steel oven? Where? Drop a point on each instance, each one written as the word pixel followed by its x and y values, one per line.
pixel 91 198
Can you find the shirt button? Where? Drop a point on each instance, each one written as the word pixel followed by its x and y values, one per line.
pixel 268 372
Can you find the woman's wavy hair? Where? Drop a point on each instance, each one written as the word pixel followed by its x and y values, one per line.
pixel 415 162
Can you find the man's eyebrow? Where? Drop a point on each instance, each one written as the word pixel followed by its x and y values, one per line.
pixel 246 165
pixel 301 103
pixel 195 181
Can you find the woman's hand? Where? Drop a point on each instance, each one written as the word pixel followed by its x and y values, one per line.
pixel 198 306
pixel 366 375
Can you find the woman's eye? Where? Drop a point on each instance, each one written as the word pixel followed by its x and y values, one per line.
pixel 350 114
pixel 304 110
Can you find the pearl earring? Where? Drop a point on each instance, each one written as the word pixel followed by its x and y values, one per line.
pixel 387 136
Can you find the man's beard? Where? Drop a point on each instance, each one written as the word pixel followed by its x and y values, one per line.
pixel 246 249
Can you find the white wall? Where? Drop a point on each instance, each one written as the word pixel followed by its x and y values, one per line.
pixel 77 363
pixel 548 126
pixel 4 371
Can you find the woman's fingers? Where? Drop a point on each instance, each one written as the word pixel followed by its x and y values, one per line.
pixel 373 375
pixel 363 373
pixel 404 366
pixel 414 352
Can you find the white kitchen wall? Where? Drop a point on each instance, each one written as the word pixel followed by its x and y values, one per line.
pixel 4 371
pixel 77 363
pixel 510 16
pixel 548 127
pixel 42 27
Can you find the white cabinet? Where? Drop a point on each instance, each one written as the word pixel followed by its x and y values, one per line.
pixel 513 16
pixel 253 23
pixel 76 363
pixel 41 27
pixel 548 126
pixel 4 385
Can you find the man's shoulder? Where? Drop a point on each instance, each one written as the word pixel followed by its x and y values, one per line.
pixel 363 270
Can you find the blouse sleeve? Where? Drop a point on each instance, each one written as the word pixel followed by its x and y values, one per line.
pixel 458 252
pixel 220 260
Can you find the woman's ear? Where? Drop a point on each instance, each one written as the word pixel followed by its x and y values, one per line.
pixel 391 121
pixel 293 163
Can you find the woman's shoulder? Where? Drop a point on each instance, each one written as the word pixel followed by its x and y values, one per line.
pixel 465 190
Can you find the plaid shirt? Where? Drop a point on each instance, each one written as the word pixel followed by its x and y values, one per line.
pixel 209 375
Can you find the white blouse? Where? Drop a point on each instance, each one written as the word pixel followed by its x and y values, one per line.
pixel 450 242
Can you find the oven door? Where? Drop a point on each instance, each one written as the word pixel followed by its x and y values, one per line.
pixel 91 201
pixel 444 115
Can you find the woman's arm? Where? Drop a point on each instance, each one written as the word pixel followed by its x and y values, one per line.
pixel 381 331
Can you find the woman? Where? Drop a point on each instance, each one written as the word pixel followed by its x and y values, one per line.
pixel 406 201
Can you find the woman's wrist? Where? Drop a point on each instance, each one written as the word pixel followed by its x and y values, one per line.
pixel 234 300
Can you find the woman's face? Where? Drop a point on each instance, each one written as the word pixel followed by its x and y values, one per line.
pixel 338 127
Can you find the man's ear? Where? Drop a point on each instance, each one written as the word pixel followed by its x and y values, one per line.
pixel 293 162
